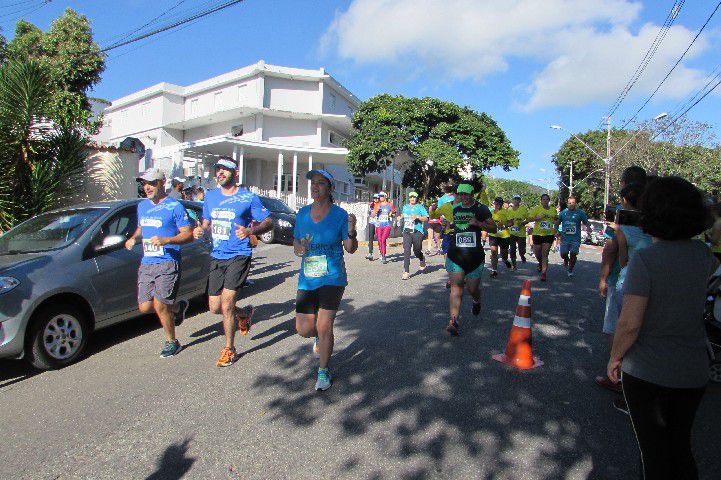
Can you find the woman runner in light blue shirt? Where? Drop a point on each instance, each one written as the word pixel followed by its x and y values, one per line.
pixel 322 231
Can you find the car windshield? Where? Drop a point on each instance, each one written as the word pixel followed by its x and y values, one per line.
pixel 48 231
pixel 275 205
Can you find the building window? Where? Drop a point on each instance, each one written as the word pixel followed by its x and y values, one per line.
pixel 242 93
pixel 218 101
pixel 286 182
pixel 194 107
pixel 335 139
pixel 332 101
pixel 237 130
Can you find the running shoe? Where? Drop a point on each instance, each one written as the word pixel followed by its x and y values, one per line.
pixel 245 319
pixel 494 274
pixel 603 381
pixel 507 263
pixel 543 277
pixel 227 357
pixel 422 266
pixel 476 309
pixel 180 314
pixel 370 256
pixel 384 260
pixel 405 276
pixel 620 404
pixel 316 351
pixel 171 349
pixel 324 381
pixel 452 328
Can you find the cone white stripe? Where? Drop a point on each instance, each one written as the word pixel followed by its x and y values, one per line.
pixel 524 301
pixel 521 322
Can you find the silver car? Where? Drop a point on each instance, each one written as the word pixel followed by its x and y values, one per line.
pixel 66 273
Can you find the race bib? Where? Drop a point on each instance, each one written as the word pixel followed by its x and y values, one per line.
pixel 316 266
pixel 408 223
pixel 545 225
pixel 569 229
pixel 221 229
pixel 150 250
pixel 383 218
pixel 466 240
pixel 515 229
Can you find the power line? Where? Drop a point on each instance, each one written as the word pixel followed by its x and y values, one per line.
pixel 172 25
pixel 672 68
pixel 27 10
pixel 677 118
pixel 660 36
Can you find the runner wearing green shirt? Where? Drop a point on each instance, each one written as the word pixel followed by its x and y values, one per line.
pixel 518 214
pixel 501 238
pixel 544 232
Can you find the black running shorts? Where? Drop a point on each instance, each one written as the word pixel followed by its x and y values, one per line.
pixel 327 297
pixel 499 242
pixel 227 274
pixel 541 239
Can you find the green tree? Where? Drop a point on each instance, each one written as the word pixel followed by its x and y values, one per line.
pixel 67 52
pixel 42 157
pixel 507 188
pixel 435 141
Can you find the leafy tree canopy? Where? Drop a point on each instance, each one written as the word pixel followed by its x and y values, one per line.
pixel 440 140
pixel 71 59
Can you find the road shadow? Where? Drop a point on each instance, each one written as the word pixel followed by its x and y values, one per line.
pixel 426 400
pixel 174 463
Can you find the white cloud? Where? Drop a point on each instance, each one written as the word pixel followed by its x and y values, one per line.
pixel 582 50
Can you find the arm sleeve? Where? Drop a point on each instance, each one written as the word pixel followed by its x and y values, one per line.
pixel 638 280
pixel 180 215
pixel 257 211
pixel 344 225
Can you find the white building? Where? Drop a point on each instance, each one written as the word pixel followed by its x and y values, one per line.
pixel 277 122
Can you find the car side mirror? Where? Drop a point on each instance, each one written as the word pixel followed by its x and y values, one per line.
pixel 110 242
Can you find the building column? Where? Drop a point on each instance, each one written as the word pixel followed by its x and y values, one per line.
pixel 310 167
pixel 279 185
pixel 295 173
pixel 239 157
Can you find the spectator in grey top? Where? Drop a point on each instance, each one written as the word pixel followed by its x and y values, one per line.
pixel 660 340
pixel 176 190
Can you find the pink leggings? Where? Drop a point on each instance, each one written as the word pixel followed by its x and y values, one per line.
pixel 382 234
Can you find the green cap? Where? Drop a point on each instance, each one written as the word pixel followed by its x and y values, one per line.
pixel 413 194
pixel 465 188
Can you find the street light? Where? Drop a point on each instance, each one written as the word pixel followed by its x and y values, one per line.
pixel 607 159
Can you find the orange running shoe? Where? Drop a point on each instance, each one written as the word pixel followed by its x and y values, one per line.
pixel 227 357
pixel 244 317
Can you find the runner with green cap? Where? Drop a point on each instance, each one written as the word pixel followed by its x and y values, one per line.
pixel 466 257
pixel 412 217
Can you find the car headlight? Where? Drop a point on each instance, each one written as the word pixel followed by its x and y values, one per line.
pixel 7 284
pixel 284 223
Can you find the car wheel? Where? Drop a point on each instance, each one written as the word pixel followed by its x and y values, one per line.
pixel 57 337
pixel 268 237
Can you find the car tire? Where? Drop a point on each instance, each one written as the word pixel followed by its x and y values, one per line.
pixel 57 337
pixel 268 237
pixel 715 371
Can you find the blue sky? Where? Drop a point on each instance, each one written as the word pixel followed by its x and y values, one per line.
pixel 527 63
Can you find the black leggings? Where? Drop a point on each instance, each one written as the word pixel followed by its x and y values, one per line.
pixel 415 239
pixel 662 418
pixel 521 242
pixel 371 237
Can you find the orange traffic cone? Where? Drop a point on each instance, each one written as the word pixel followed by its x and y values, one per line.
pixel 519 352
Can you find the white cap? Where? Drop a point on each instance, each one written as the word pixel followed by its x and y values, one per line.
pixel 151 175
pixel 382 194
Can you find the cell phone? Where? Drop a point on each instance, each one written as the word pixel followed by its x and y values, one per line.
pixel 628 217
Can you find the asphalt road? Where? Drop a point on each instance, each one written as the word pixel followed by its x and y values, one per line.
pixel 408 401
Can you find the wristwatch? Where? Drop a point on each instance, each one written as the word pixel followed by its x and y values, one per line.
pixel 353 235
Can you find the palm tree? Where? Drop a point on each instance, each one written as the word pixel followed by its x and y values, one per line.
pixel 42 151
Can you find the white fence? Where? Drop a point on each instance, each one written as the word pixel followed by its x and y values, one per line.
pixel 294 201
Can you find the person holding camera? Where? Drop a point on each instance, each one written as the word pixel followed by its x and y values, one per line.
pixel 660 340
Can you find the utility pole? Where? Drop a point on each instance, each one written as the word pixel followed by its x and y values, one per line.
pixel 570 182
pixel 608 162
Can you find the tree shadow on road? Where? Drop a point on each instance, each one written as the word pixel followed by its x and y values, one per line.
pixel 427 400
pixel 174 463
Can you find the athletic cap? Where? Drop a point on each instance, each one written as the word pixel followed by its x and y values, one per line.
pixel 327 175
pixel 465 188
pixel 177 180
pixel 151 175
pixel 413 194
pixel 226 163
pixel 382 194
pixel 375 195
